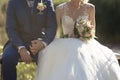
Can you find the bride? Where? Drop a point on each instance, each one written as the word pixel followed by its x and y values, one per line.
pixel 72 58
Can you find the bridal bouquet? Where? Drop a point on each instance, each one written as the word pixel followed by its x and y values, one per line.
pixel 84 30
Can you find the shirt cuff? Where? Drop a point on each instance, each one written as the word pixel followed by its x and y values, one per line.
pixel 20 47
pixel 45 44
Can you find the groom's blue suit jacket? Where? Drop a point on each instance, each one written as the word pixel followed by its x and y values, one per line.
pixel 24 24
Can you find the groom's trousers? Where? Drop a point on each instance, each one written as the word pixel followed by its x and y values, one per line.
pixel 10 59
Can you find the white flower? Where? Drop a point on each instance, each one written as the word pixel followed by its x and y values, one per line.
pixel 41 6
pixel 85 29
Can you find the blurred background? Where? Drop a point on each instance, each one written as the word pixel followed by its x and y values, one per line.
pixel 107 29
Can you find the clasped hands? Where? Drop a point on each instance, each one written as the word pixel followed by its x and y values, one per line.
pixel 36 46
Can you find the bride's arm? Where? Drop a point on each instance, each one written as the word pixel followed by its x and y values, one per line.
pixel 58 17
pixel 92 16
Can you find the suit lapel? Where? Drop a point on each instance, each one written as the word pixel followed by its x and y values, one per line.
pixel 34 8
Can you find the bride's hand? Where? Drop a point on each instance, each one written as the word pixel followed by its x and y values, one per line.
pixel 73 35
pixel 37 45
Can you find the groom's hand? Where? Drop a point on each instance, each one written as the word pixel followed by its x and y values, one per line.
pixel 36 46
pixel 25 55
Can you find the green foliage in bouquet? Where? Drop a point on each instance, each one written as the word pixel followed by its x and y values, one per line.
pixel 84 30
pixel 75 30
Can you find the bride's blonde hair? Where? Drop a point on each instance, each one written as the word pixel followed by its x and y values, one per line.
pixel 84 1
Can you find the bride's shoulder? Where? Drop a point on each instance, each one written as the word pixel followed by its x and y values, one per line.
pixel 90 5
pixel 61 6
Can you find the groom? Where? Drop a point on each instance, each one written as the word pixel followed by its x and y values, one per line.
pixel 30 26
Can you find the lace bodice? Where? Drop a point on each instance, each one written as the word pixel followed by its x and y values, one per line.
pixel 68 24
pixel 67 17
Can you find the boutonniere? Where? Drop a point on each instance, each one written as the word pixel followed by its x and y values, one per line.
pixel 41 6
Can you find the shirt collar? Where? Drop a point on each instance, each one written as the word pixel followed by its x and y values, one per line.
pixel 30 3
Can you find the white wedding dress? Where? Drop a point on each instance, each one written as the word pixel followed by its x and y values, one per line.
pixel 73 59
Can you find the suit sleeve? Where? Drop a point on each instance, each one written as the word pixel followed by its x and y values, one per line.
pixel 51 26
pixel 11 25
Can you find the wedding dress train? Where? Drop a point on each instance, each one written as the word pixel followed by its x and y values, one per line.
pixel 73 59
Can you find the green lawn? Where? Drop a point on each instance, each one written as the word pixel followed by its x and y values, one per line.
pixel 3 1
pixel 59 1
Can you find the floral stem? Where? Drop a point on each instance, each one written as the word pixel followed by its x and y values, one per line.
pixel 75 30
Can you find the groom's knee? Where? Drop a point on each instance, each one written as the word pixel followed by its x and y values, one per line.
pixel 10 55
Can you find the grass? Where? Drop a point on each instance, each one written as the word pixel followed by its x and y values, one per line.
pixel 3 36
pixel 59 1
pixel 1 47
pixel 3 1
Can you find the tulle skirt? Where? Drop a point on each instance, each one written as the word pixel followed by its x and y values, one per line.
pixel 73 59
